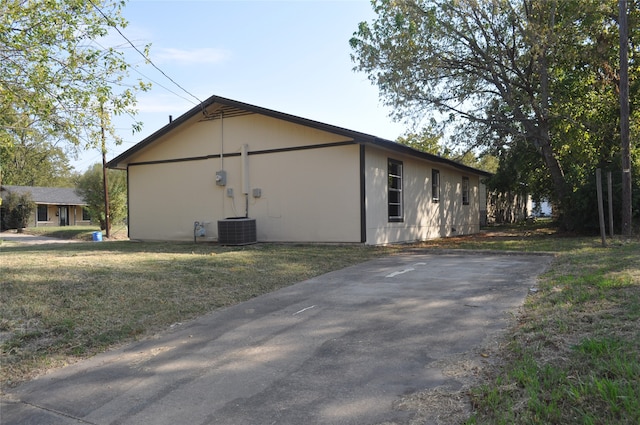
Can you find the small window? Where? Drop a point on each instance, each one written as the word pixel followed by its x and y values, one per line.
pixel 465 191
pixel 435 185
pixel 43 213
pixel 395 191
pixel 85 214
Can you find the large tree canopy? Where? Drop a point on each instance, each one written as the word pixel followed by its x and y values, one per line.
pixel 519 77
pixel 56 78
pixel 30 161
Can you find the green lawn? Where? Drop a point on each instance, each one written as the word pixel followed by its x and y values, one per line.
pixel 573 356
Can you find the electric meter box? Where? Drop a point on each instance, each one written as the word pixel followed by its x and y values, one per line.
pixel 221 178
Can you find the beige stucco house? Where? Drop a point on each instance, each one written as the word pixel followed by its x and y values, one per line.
pixel 55 206
pixel 299 179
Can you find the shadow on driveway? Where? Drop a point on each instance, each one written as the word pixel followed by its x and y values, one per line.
pixel 342 348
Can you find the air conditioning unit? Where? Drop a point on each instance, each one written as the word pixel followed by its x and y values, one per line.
pixel 237 231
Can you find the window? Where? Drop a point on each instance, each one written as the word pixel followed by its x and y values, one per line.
pixel 42 213
pixel 395 191
pixel 435 185
pixel 465 191
pixel 85 214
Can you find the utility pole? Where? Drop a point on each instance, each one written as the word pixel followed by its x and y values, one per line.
pixel 624 118
pixel 603 231
pixel 107 221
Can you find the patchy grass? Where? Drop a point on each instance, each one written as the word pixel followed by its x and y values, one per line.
pixel 573 356
pixel 541 236
pixel 84 233
pixel 64 302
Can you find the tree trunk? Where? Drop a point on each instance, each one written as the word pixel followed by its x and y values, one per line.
pixel 561 189
pixel 560 186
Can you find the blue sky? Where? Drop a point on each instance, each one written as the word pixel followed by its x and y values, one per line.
pixel 291 56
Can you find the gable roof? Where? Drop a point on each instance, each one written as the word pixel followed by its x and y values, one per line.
pixel 231 108
pixel 48 195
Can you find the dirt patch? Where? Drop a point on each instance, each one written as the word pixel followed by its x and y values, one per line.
pixel 451 404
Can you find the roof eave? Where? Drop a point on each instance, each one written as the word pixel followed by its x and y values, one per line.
pixel 400 148
pixel 358 137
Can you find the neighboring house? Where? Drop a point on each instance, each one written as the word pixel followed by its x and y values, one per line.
pixel 540 209
pixel 300 180
pixel 55 206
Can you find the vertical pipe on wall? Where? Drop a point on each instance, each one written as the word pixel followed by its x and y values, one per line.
pixel 245 168
pixel 222 197
pixel 221 140
pixel 244 154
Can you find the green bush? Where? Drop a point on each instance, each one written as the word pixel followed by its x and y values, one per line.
pixel 17 210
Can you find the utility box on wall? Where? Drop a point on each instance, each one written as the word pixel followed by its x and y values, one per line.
pixel 221 178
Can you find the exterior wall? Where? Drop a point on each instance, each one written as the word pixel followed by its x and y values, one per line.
pixel 166 199
pixel 423 219
pixel 306 194
pixel 201 138
pixel 315 197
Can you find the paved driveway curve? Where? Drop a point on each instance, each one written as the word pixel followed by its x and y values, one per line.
pixel 337 349
pixel 25 238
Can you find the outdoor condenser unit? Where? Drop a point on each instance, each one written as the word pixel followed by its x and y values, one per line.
pixel 237 231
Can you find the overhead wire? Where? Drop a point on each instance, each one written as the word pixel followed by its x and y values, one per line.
pixel 146 77
pixel 146 58
pixel 149 61
pixel 166 88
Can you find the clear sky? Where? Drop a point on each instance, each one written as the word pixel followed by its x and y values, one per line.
pixel 291 56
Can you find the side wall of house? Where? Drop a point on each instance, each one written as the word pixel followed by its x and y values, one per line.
pixel 300 184
pixel 423 218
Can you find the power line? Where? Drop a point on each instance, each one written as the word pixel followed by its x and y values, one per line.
pixel 147 59
pixel 149 78
pixel 166 88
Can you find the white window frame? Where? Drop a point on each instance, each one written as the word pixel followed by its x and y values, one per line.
pixel 465 190
pixel 395 188
pixel 435 186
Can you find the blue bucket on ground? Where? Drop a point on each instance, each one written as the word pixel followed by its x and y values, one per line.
pixel 97 236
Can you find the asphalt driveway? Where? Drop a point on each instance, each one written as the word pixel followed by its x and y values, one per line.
pixel 341 348
pixel 25 238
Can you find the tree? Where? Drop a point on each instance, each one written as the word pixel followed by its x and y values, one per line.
pixel 30 160
pixel 427 140
pixel 17 210
pixel 55 75
pixel 508 75
pixel 624 119
pixel 89 187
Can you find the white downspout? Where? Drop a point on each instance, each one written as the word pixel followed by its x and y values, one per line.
pixel 244 154
pixel 221 140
